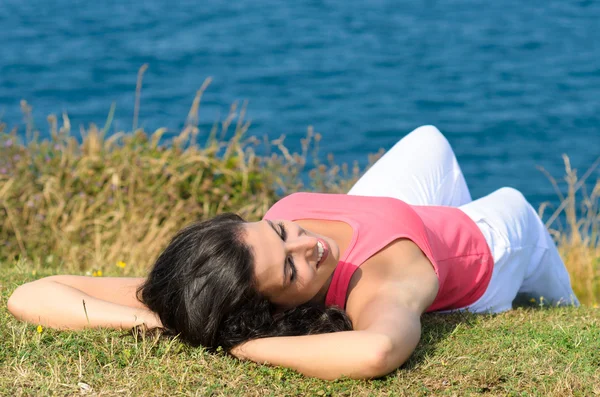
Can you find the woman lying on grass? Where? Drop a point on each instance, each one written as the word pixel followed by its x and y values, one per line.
pixel 329 285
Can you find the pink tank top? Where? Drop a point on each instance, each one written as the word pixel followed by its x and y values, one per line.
pixel 451 241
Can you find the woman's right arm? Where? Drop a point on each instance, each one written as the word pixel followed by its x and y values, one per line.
pixel 77 302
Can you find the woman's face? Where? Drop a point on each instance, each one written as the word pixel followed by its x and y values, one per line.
pixel 292 265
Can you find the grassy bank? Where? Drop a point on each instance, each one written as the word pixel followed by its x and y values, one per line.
pixel 536 351
pixel 85 203
pixel 98 205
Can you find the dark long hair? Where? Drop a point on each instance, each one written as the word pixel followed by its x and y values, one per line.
pixel 202 287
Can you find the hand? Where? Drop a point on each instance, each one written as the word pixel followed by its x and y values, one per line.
pixel 150 319
pixel 238 351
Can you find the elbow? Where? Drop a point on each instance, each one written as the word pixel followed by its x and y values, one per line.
pixel 14 303
pixel 381 360
pixel 24 297
pixel 385 356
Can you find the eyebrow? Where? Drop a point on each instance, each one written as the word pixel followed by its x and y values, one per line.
pixel 284 262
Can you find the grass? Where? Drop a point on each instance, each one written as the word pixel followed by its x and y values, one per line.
pixel 87 203
pixel 92 202
pixel 102 205
pixel 578 239
pixel 528 351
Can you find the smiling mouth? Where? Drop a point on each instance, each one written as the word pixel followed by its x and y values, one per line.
pixel 322 251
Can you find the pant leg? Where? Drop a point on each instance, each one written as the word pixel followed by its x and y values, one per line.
pixel 420 169
pixel 549 279
pixel 525 257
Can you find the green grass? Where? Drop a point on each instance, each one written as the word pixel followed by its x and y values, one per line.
pixel 528 351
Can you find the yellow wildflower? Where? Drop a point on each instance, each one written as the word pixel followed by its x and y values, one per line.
pixel 595 305
pixel 40 329
pixel 121 264
pixel 97 273
pixel 532 300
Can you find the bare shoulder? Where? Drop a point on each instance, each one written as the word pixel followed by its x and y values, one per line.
pixel 399 274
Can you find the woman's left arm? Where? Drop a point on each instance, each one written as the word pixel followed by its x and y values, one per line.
pixel 385 343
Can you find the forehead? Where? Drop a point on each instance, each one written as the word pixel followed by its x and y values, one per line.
pixel 269 255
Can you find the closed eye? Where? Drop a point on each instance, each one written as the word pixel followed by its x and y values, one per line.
pixel 289 260
pixel 282 231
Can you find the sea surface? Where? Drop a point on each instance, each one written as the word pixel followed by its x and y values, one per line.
pixel 514 85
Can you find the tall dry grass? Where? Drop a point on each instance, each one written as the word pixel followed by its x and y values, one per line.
pixel 575 225
pixel 87 202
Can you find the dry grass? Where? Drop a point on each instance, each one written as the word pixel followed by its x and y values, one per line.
pixel 84 205
pixel 575 225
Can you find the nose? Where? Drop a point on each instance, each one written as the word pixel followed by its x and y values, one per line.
pixel 303 245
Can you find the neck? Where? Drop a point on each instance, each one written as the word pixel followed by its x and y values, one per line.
pixel 321 296
pixel 339 231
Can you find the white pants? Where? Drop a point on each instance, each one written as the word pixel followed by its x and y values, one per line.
pixel 421 169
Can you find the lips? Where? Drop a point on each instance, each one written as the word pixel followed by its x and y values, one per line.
pixel 325 252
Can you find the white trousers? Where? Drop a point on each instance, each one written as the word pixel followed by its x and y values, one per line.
pixel 421 169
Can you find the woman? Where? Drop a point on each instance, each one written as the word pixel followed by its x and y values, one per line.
pixel 329 285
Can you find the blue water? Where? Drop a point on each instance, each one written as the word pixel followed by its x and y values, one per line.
pixel 512 84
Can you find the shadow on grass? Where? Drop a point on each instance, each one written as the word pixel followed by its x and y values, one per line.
pixel 436 327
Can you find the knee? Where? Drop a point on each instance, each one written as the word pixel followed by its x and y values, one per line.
pixel 429 132
pixel 432 138
pixel 518 202
pixel 512 194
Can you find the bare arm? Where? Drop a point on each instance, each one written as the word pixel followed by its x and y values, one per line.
pixel 360 354
pixel 76 302
pixel 387 325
